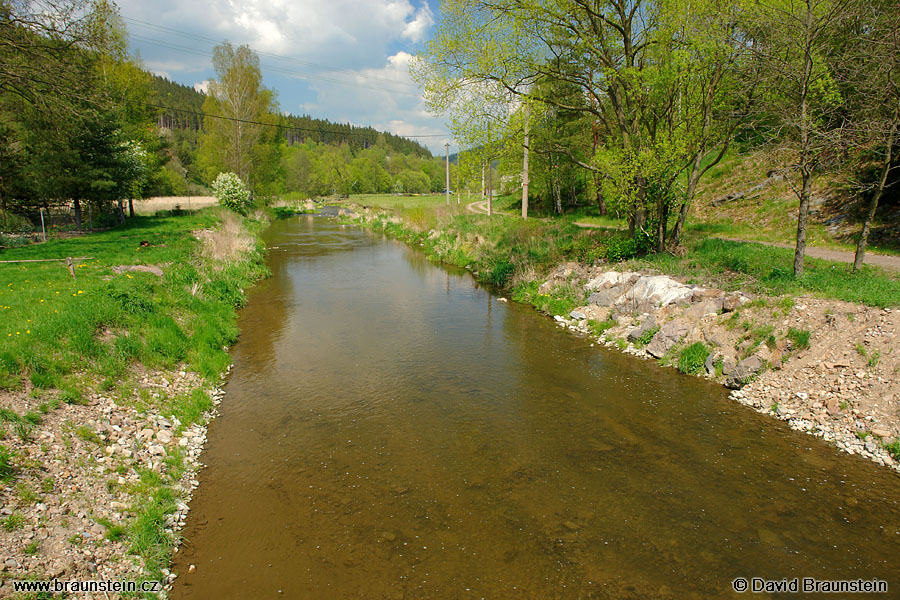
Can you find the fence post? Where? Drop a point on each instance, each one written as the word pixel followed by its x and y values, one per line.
pixel 43 229
pixel 71 267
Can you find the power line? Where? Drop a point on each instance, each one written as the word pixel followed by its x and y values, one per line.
pixel 278 69
pixel 294 73
pixel 193 36
pixel 292 127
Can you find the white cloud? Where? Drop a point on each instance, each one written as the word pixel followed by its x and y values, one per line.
pixel 342 31
pixel 415 30
pixel 399 113
pixel 202 86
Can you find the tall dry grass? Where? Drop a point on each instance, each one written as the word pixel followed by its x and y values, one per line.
pixel 228 241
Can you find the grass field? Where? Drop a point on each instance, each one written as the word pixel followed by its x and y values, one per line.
pixel 57 330
pixel 150 206
pixel 403 201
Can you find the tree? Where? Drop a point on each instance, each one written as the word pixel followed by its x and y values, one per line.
pixel 870 85
pixel 237 112
pixel 641 73
pixel 793 42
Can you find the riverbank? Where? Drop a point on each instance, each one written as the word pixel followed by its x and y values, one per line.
pixel 817 352
pixel 109 379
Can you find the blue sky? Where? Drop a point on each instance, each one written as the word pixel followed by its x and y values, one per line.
pixel 344 60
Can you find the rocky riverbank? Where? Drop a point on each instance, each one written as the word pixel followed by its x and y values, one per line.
pixel 98 463
pixel 828 368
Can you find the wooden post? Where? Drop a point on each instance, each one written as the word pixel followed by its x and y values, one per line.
pixel 90 218
pixel 43 229
pixel 71 266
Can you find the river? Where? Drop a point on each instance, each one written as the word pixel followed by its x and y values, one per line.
pixel 392 430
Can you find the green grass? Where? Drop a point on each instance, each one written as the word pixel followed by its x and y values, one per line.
pixel 598 328
pixel 693 358
pixel 646 337
pixel 799 337
pixel 768 270
pixel 393 201
pixel 103 322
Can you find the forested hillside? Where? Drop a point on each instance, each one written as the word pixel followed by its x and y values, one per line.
pixel 86 129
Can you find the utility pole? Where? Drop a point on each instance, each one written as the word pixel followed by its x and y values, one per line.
pixel 525 164
pixel 490 188
pixel 447 190
pixel 482 181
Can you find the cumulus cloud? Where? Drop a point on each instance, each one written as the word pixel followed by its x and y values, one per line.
pixel 416 29
pixel 366 43
pixel 401 112
pixel 343 31
pixel 202 86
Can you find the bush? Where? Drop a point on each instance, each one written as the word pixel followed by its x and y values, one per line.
pixel 693 358
pixel 231 192
pixel 799 337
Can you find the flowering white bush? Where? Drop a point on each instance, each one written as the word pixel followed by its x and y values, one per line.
pixel 231 192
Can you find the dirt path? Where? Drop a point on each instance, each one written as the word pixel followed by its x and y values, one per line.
pixel 884 261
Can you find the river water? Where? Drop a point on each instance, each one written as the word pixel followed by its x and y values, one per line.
pixel 392 430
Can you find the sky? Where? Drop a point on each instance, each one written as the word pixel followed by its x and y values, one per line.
pixel 342 60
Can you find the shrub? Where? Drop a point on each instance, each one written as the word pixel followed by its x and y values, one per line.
pixel 693 358
pixel 7 469
pixel 799 337
pixel 231 192
pixel 646 337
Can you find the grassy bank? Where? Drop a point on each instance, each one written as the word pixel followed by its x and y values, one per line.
pixel 62 333
pixel 516 255
pixel 103 334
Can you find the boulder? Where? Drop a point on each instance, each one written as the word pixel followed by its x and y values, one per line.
pixel 669 334
pixel 563 274
pixel 577 315
pixel 711 363
pixel 607 296
pixel 728 365
pixel 709 306
pixel 743 372
pixel 592 312
pixel 610 279
pixel 635 333
pixel 734 301
pixel 652 292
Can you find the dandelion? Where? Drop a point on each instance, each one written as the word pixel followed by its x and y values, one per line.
pixel 80 292
pixel 27 331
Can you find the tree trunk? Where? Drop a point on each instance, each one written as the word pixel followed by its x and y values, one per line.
pixel 805 167
pixel 121 207
pixel 876 196
pixel 131 208
pixel 598 194
pixel 693 180
pixel 662 218
pixel 525 164
pixel 76 206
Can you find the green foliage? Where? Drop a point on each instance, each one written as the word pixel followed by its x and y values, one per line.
pixel 646 337
pixel 598 328
pixel 7 467
pixel 625 248
pixel 231 192
pixel 14 522
pixel 799 338
pixel 693 358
